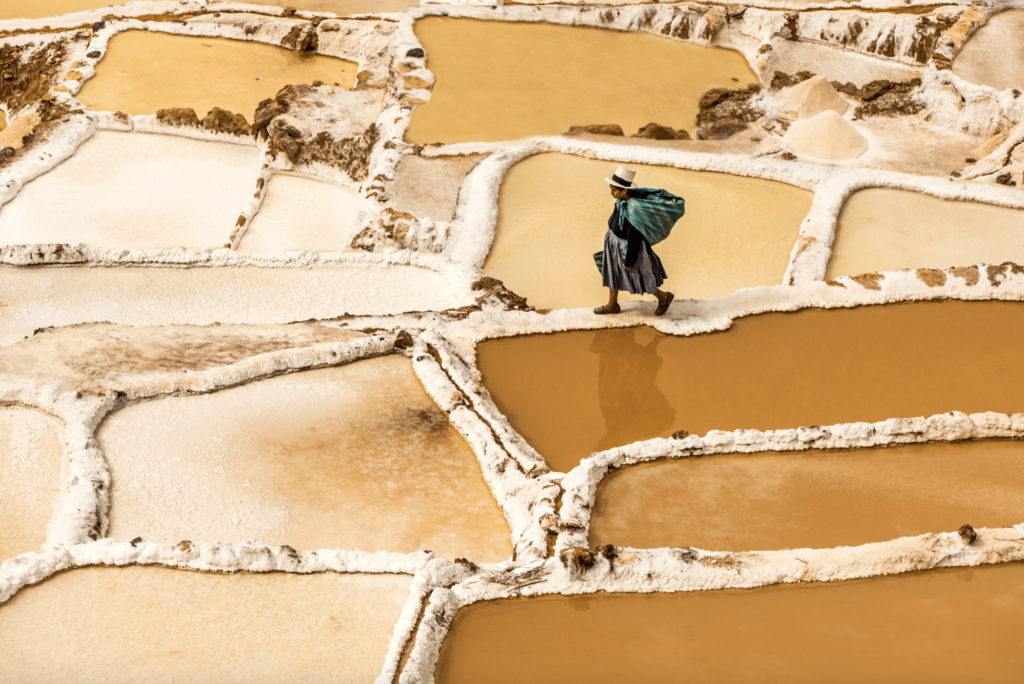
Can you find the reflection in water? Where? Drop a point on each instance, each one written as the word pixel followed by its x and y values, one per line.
pixel 631 401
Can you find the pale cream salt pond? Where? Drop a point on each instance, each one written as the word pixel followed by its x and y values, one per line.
pixel 994 55
pixel 350 457
pixel 108 624
pixel 553 213
pixel 882 229
pixel 136 190
pixel 30 476
pixel 53 296
pixel 302 214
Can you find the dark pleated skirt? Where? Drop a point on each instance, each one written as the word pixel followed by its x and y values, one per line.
pixel 645 277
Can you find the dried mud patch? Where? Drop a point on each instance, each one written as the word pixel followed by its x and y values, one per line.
pixel 27 72
pixel 92 357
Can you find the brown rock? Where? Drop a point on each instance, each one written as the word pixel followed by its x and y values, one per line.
pixel 222 121
pixel 967 534
pixel 720 131
pixel 577 559
pixel 783 80
pixel 178 117
pixel 713 97
pixel 874 89
pixel 597 129
pixel 653 131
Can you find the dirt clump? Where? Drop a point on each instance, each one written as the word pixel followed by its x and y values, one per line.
pixel 680 434
pixel 493 291
pixel 725 112
pixel 222 121
pixel 970 274
pixel 931 277
pixel 302 39
pixel 178 117
pixel 597 129
pixel 27 72
pixel 782 80
pixel 883 98
pixel 654 131
pixel 869 281
pixel 967 534
pixel 577 560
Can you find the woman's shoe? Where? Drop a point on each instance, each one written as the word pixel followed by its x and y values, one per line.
pixel 663 306
pixel 601 310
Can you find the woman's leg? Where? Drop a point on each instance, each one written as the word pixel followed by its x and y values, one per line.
pixel 613 298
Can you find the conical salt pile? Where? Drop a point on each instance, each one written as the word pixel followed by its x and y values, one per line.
pixel 812 97
pixel 826 136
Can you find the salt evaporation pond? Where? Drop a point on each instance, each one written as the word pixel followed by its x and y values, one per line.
pixel 144 71
pixel 160 625
pixel 817 499
pixel 30 476
pixel 136 190
pixel 940 626
pixel 553 213
pixel 994 55
pixel 341 7
pixel 300 214
pixel 881 229
pixel 502 81
pixel 356 456
pixel 38 9
pixel 43 297
pixel 570 394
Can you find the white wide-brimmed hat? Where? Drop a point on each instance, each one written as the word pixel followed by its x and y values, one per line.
pixel 623 177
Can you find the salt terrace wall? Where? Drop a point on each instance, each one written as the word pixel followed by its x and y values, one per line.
pixel 548 512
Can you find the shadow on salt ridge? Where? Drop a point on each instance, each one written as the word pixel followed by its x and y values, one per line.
pixel 137 191
pixel 144 71
pixel 356 456
pixel 811 499
pixel 302 214
pixel 31 453
pixel 161 625
pixel 881 229
pixel 804 633
pixel 994 55
pixel 53 296
pixel 505 80
pixel 570 394
pixel 553 213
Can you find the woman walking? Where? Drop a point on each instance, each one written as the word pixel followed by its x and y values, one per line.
pixel 642 217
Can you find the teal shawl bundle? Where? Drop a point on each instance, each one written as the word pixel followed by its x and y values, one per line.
pixel 652 212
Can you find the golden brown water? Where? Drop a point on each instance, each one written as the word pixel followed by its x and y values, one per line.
pixel 553 215
pixel 145 71
pixel 502 81
pixel 356 456
pixel 885 230
pixel 30 477
pixel 570 394
pixel 818 499
pixel 963 625
pixel 140 624
pixel 37 9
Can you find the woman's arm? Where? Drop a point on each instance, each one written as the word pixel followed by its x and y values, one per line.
pixel 634 240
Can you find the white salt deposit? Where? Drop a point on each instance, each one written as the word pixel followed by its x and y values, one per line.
pixel 30 473
pixel 55 296
pixel 135 190
pixel 813 96
pixel 302 214
pixel 826 136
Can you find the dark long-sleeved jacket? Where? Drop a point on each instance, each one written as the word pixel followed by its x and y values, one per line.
pixel 633 237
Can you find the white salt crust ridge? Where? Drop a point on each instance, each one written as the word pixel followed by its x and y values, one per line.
pixel 677 570
pixel 508 464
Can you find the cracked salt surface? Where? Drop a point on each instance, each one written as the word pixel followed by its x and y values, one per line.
pixel 349 457
pixel 135 190
pixel 160 625
pixel 30 477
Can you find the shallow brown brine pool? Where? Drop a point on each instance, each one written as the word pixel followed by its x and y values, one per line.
pixel 938 626
pixel 355 456
pixel 502 80
pixel 144 71
pixel 553 214
pixel 37 9
pixel 881 229
pixel 815 499
pixel 570 394
pixel 152 624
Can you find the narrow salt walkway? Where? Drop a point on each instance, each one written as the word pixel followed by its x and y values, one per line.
pixel 56 296
pixel 356 456
pixel 881 229
pixel 136 190
pixel 30 475
pixel 161 625
pixel 302 214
